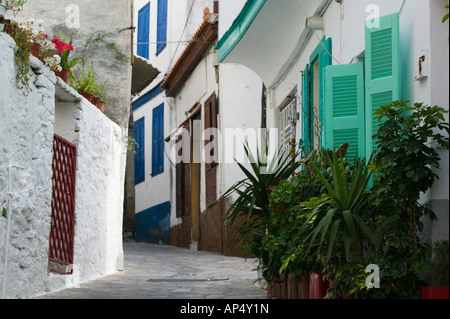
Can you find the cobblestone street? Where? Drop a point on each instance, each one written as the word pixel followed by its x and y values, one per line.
pixel 168 272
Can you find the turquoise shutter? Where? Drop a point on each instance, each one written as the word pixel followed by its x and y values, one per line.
pixel 305 110
pixel 344 112
pixel 139 156
pixel 382 71
pixel 324 61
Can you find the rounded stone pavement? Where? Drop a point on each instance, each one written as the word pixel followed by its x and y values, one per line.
pixel 168 272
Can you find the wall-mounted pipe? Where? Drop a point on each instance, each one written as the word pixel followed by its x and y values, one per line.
pixel 314 23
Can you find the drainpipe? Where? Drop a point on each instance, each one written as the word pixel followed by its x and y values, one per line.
pixel 9 194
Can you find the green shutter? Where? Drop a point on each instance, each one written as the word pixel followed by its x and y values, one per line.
pixel 344 111
pixel 305 109
pixel 382 71
pixel 324 61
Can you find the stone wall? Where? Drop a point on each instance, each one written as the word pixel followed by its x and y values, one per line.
pixel 27 126
pixel 101 36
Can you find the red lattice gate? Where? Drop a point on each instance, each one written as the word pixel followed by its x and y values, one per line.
pixel 63 206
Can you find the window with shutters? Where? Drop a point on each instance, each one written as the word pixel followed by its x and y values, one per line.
pixel 354 91
pixel 312 110
pixel 210 109
pixel 143 31
pixel 139 152
pixel 158 140
pixel 162 26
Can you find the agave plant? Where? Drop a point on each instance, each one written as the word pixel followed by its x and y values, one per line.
pixel 249 213
pixel 337 220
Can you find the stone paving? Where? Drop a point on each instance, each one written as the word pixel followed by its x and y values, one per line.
pixel 168 272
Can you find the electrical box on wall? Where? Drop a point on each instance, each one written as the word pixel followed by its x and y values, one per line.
pixel 421 70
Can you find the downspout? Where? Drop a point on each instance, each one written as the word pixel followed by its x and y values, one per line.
pixel 9 194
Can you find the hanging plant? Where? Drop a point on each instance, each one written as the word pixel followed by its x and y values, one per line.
pixel 23 38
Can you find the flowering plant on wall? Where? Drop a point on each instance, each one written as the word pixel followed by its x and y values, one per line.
pixel 64 48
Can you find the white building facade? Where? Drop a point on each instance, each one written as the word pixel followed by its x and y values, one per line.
pixel 303 41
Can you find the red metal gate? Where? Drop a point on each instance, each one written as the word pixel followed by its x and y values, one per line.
pixel 63 206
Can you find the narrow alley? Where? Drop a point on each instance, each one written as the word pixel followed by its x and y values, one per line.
pixel 167 272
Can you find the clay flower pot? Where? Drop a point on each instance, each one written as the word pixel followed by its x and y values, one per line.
pixel 318 287
pixel 101 106
pixel 35 49
pixel 87 96
pixel 434 292
pixel 63 74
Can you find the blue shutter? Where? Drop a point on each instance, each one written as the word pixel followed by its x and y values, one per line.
pixel 158 140
pixel 162 26
pixel 143 37
pixel 139 155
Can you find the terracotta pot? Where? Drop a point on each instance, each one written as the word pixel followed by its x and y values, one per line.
pixel 63 74
pixel 87 96
pixel 283 286
pixel 8 28
pixel 101 106
pixel 35 49
pixel 303 288
pixel 292 291
pixel 317 286
pixel 95 100
pixel 434 292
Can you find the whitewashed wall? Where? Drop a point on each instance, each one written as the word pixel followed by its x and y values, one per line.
pixel 27 126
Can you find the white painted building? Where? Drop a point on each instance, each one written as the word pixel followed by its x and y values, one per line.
pixel 62 168
pixel 289 46
pixel 164 29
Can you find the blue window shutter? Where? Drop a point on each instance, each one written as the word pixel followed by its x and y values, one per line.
pixel 162 26
pixel 158 140
pixel 143 37
pixel 305 110
pixel 345 111
pixel 382 71
pixel 139 156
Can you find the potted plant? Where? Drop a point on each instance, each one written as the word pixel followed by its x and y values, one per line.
pixel 439 271
pixel 63 48
pixel 84 82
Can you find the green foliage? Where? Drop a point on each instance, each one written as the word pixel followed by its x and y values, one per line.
pixel 4 212
pixel 445 18
pixel 22 37
pixel 405 159
pixel 66 61
pixel 440 267
pixel 249 214
pixel 84 82
pixel 340 215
